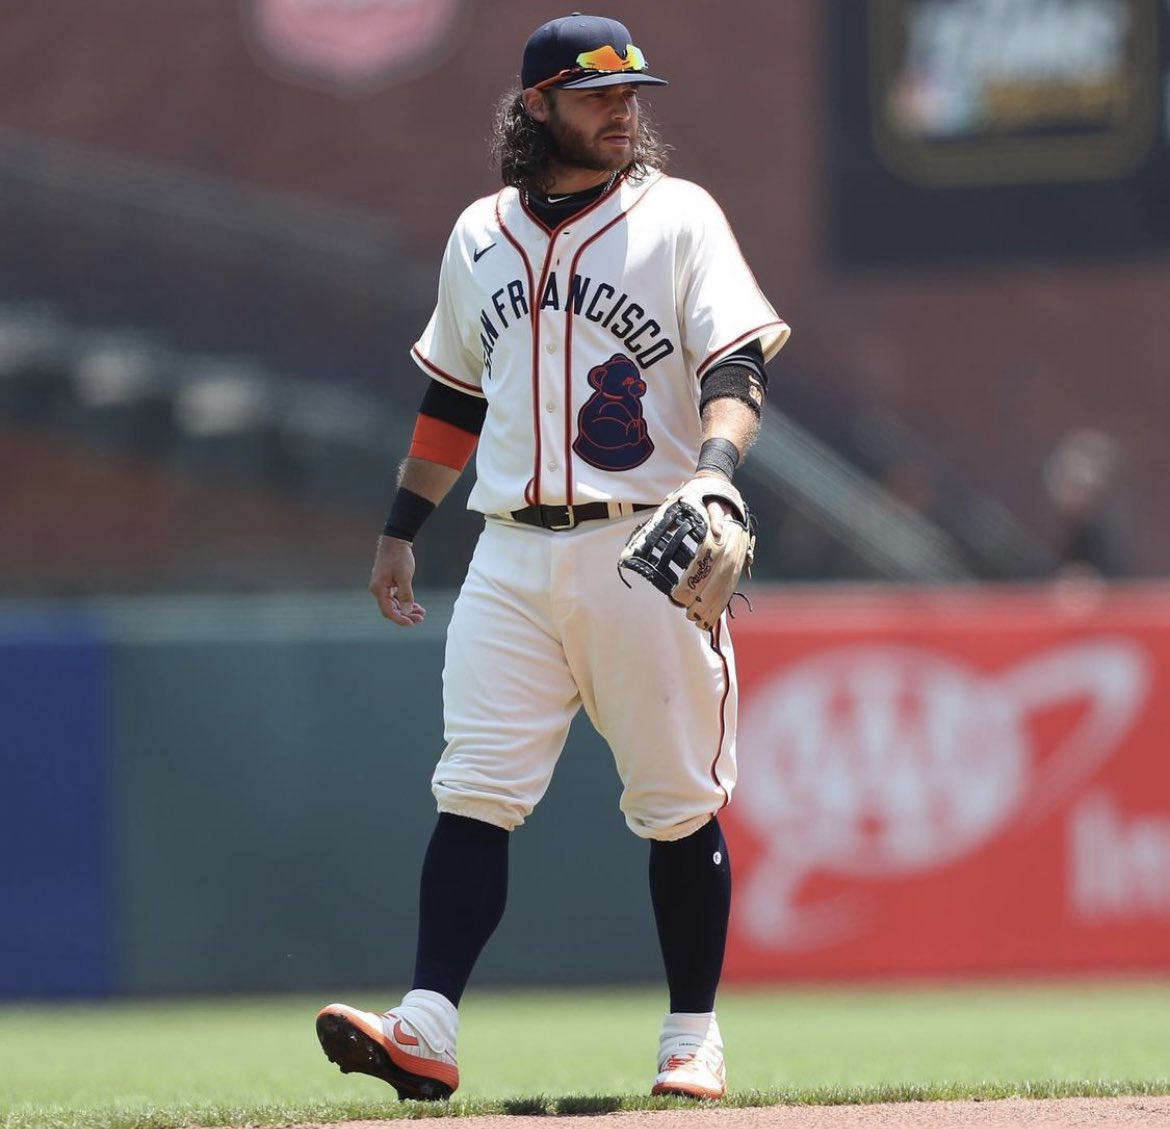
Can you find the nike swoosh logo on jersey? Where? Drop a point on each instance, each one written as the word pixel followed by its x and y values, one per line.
pixel 557 199
pixel 479 252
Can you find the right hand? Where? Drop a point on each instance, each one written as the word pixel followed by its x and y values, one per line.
pixel 392 582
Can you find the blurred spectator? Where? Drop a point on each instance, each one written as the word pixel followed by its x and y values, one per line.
pixel 1085 476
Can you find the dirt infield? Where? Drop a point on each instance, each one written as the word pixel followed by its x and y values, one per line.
pixel 1100 1113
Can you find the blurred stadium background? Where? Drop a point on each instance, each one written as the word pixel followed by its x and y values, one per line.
pixel 221 223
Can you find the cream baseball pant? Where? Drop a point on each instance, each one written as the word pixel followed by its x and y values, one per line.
pixel 543 625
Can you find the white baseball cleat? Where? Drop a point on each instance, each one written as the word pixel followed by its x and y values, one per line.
pixel 690 1058
pixel 388 1046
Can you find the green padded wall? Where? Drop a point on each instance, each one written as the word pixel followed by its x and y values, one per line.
pixel 274 759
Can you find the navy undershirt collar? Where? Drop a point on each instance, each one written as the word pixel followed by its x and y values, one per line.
pixel 556 211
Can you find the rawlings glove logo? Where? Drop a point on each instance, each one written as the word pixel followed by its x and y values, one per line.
pixel 702 570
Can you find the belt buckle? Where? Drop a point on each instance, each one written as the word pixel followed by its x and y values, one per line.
pixel 569 523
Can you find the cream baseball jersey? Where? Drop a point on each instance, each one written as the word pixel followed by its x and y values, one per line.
pixel 589 342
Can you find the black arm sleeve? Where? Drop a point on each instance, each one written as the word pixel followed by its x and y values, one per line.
pixel 460 409
pixel 739 376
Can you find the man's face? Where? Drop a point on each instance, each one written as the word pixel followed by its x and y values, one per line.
pixel 594 129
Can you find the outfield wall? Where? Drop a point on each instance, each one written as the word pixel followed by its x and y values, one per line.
pixel 232 794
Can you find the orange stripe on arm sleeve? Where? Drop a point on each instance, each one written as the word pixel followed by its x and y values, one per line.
pixel 441 442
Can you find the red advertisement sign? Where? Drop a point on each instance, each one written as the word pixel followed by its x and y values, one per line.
pixel 952 782
pixel 352 46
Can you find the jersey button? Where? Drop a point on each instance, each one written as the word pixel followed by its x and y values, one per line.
pixel 550 348
pixel 550 407
pixel 551 464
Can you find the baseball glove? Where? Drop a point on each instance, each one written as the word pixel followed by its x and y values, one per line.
pixel 679 554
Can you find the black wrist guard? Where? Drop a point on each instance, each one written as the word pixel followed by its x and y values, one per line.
pixel 718 454
pixel 407 515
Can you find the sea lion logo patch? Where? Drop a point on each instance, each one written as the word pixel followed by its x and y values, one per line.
pixel 611 430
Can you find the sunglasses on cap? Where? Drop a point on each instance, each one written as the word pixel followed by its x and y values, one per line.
pixel 603 60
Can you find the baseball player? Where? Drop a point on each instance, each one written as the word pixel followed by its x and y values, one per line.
pixel 598 339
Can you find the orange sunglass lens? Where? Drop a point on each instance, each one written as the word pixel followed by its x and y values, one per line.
pixel 607 59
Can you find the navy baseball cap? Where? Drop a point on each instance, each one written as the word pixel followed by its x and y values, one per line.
pixel 578 52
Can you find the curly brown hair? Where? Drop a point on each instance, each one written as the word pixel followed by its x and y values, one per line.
pixel 520 146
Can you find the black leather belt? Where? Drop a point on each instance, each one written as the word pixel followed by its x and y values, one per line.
pixel 567 517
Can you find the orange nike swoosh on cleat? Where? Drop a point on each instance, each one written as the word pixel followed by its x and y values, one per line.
pixel 402 1037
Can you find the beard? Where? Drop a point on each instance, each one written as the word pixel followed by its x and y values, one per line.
pixel 569 146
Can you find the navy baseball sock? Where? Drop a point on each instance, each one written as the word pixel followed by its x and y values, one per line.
pixel 464 888
pixel 690 888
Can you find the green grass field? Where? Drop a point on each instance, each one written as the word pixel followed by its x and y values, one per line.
pixel 237 1061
